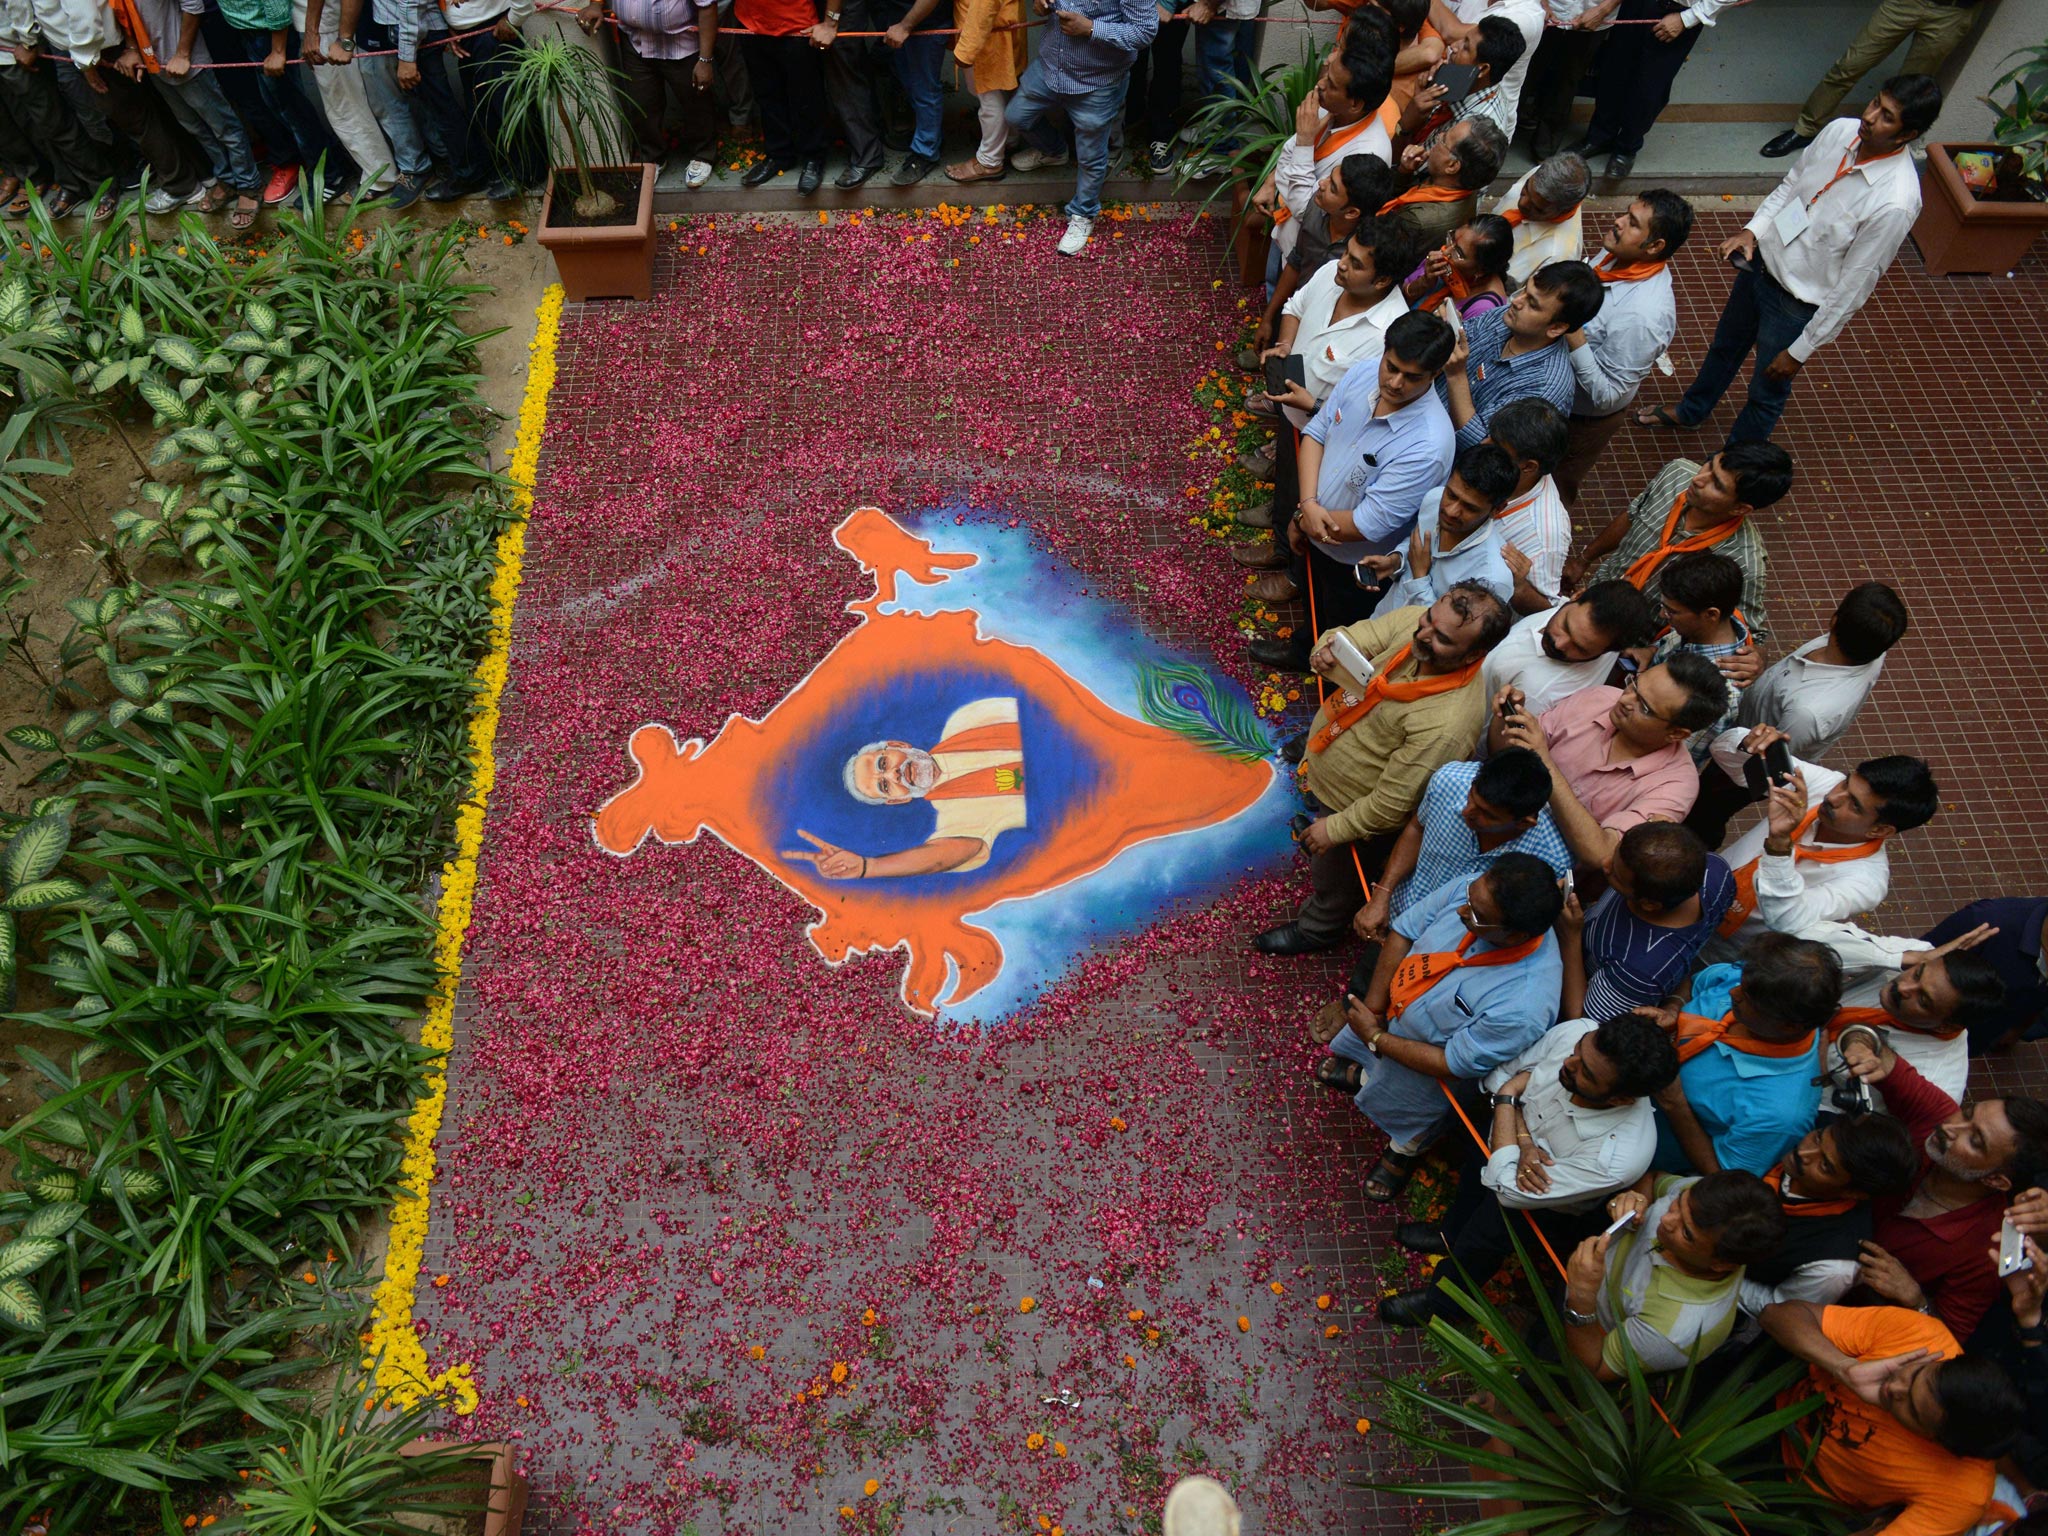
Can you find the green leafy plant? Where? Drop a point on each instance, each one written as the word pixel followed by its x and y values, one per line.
pixel 28 872
pixel 2021 124
pixel 1239 134
pixel 38 1240
pixel 567 96
pixel 1579 1456
pixel 345 1472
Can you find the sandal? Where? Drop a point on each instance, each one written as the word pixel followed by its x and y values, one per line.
pixel 213 199
pixel 1390 1175
pixel 108 205
pixel 1651 417
pixel 1340 1073
pixel 11 188
pixel 25 198
pixel 245 211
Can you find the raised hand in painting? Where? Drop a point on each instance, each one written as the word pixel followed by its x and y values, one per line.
pixel 832 861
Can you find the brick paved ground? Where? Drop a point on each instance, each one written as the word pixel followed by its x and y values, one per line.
pixel 675 1137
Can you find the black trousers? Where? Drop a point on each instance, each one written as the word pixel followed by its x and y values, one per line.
pixel 1477 1224
pixel 1553 85
pixel 132 108
pixel 789 84
pixel 665 103
pixel 1152 104
pixel 1719 801
pixel 1636 71
pixel 77 160
pixel 857 81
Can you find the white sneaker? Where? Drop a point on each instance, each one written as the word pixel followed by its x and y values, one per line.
pixel 696 173
pixel 1078 231
pixel 160 201
pixel 1031 158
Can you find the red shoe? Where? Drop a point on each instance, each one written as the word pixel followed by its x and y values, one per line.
pixel 284 181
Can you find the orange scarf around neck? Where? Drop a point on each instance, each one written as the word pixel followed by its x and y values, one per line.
pixel 1423 192
pixel 1803 1208
pixel 1811 853
pixel 1329 145
pixel 1634 272
pixel 1379 689
pixel 1640 573
pixel 1877 1018
pixel 1696 1034
pixel 1516 218
pixel 1418 973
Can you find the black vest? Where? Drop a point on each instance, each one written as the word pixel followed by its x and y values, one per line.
pixel 1812 1239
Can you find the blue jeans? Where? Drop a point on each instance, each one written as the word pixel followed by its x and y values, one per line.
pixel 917 65
pixel 1761 315
pixel 201 106
pixel 286 96
pixel 394 109
pixel 1093 114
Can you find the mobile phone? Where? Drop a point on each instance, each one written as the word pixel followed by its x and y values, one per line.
pixel 1294 369
pixel 1739 261
pixel 1621 1223
pixel 1457 81
pixel 2012 1249
pixel 1509 709
pixel 1276 375
pixel 1778 763
pixel 1571 886
pixel 1352 662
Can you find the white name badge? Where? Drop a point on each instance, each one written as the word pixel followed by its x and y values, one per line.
pixel 1791 222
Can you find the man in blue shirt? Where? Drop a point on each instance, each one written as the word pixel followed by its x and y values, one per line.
pixel 1461 543
pixel 1748 1081
pixel 1367 458
pixel 1083 69
pixel 1665 898
pixel 2018 954
pixel 1467 981
pixel 1519 349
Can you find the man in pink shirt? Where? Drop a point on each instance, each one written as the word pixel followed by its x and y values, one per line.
pixel 1617 756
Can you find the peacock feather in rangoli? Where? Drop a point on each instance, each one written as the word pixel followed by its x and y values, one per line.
pixel 927 770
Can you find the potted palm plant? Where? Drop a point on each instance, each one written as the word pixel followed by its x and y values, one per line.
pixel 1981 205
pixel 1562 1451
pixel 1237 137
pixel 597 218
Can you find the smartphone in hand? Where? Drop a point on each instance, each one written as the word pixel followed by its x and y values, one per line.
pixel 1778 762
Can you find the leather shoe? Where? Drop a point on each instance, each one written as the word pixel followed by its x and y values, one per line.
pixel 1268 555
pixel 1421 1237
pixel 1587 148
pixel 1790 142
pixel 1275 587
pixel 1295 747
pixel 1411 1309
pixel 1619 165
pixel 1288 939
pixel 761 171
pixel 1259 462
pixel 1260 516
pixel 854 176
pixel 1280 655
pixel 1259 403
pixel 813 177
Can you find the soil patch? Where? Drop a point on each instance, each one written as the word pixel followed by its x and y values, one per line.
pixel 623 187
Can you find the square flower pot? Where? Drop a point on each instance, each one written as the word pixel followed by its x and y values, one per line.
pixel 1959 232
pixel 603 261
pixel 506 1512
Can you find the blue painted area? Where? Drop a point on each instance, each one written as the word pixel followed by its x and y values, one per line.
pixel 1025 599
pixel 1059 773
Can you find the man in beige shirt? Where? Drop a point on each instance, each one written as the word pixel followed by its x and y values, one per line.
pixel 1368 756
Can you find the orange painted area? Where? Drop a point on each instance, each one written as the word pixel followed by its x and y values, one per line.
pixel 1152 783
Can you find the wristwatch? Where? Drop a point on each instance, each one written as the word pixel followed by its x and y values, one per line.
pixel 1580 1319
pixel 1507 1101
pixel 1373 1040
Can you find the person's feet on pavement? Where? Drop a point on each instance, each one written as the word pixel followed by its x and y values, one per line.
pixel 1076 237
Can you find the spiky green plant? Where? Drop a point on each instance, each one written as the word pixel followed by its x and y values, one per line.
pixel 1242 129
pixel 1647 1457
pixel 566 95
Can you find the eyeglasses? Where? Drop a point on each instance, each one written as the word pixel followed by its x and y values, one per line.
pixel 1633 684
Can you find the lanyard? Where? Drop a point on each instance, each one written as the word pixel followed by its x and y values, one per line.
pixel 1849 163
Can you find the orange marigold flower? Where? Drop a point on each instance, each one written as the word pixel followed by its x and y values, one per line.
pixel 1059 1447
pixel 1332 1331
pixel 1276 1287
pixel 1244 1325
pixel 1324 1302
pixel 871 1487
pixel 1365 1426
pixel 1136 1314
pixel 1034 1441
pixel 1028 1304
pixel 756 1352
pixel 838 1371
pixel 439 1281
pixel 1116 1123
pixel 867 1318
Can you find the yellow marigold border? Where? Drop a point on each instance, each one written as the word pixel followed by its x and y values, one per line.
pixel 400 1361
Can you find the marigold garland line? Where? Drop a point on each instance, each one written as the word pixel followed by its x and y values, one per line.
pixel 392 1346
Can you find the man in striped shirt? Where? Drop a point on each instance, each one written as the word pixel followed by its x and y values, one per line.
pixel 1665 897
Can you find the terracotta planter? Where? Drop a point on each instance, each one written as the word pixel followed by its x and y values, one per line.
pixel 507 1511
pixel 608 261
pixel 1251 238
pixel 1956 232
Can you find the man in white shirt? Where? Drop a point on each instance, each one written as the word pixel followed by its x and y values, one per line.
pixel 1641 58
pixel 1614 351
pixel 1340 117
pixel 1551 656
pixel 79 150
pixel 1816 248
pixel 1928 995
pixel 1535 526
pixel 1461 543
pixel 1572 1124
pixel 1821 852
pixel 1544 209
pixel 1457 19
pixel 1812 695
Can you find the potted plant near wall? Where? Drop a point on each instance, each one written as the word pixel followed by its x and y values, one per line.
pixel 1981 205
pixel 1237 138
pixel 598 216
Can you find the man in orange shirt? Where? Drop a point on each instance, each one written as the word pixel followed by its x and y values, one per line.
pixel 1909 1419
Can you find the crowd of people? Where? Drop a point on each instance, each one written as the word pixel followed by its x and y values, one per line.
pixel 1669 1046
